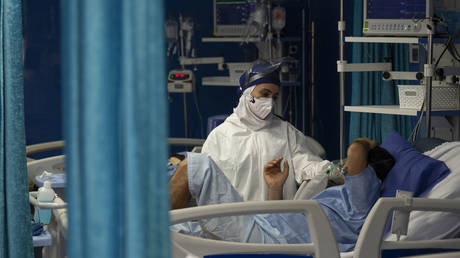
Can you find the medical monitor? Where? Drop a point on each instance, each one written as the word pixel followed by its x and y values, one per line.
pixel 230 17
pixel 396 17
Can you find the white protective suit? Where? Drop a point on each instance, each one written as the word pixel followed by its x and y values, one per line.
pixel 243 144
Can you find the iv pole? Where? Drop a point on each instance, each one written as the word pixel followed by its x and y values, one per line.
pixel 341 27
pixel 181 40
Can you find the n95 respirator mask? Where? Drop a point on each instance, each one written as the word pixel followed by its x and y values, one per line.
pixel 261 107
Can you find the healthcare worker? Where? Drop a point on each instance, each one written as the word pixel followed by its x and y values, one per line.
pixel 252 136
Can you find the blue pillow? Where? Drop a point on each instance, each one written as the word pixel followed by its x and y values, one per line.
pixel 412 171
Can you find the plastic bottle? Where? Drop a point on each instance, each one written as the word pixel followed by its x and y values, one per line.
pixel 45 195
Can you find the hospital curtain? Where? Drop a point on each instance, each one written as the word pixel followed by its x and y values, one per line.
pixel 15 231
pixel 368 88
pixel 114 86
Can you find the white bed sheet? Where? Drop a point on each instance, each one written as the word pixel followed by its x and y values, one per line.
pixel 436 225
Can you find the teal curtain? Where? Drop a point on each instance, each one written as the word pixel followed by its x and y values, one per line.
pixel 15 231
pixel 115 127
pixel 368 88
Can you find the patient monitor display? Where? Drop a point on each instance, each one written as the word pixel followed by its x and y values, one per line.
pixel 396 17
pixel 230 17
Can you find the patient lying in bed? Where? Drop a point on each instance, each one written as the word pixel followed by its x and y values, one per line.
pixel 346 206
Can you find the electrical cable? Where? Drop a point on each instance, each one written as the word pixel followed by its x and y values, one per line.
pixel 295 105
pixel 199 113
pixel 453 49
pixel 414 133
pixel 449 41
pixel 284 109
pixel 416 129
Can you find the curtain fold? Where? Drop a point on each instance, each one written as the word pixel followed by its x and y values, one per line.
pixel 115 126
pixel 15 231
pixel 368 88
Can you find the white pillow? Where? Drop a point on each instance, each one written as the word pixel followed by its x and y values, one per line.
pixel 439 225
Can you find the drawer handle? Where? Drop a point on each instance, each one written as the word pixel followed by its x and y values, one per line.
pixel 410 93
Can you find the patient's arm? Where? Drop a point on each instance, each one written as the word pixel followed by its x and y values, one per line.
pixel 275 178
pixel 366 142
pixel 357 157
pixel 178 186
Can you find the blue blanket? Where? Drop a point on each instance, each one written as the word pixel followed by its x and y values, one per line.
pixel 346 207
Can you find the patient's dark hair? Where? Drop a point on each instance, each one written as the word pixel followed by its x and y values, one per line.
pixel 381 160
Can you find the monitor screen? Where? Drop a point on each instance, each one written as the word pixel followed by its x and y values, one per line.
pixel 396 9
pixel 396 17
pixel 232 12
pixel 231 17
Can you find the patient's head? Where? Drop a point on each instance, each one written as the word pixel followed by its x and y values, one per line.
pixel 377 157
pixel 381 160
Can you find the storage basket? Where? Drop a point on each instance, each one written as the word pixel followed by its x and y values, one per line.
pixel 442 97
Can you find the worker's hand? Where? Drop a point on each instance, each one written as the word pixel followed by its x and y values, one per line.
pixel 273 175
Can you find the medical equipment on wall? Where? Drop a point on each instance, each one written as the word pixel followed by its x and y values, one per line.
pixel 182 32
pixel 404 17
pixel 278 20
pixel 181 80
pixel 289 70
pixel 263 19
pixel 186 35
pixel 179 34
pixel 398 18
pixel 230 18
pixel 236 70
pixel 257 22
pixel 172 37
pixel 443 96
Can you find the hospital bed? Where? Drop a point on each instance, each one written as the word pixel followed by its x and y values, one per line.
pixel 323 242
pixel 370 242
pixel 322 245
pixel 187 142
pixel 56 164
pixel 442 255
pixel 58 223
pixel 433 230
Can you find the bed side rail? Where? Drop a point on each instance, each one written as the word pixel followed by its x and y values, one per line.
pixel 57 145
pixel 46 146
pixel 370 241
pixel 323 241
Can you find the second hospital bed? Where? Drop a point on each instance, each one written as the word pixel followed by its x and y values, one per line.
pixel 56 165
